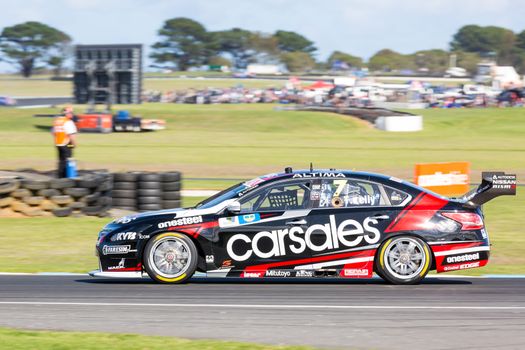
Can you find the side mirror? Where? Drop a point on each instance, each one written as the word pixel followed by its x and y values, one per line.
pixel 234 207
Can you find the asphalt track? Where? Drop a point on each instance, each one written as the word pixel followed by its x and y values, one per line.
pixel 441 313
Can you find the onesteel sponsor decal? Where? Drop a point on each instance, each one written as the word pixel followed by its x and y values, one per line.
pixel 465 257
pixel 348 233
pixel 116 249
pixel 180 222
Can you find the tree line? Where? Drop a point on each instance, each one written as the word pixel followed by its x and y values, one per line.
pixel 184 43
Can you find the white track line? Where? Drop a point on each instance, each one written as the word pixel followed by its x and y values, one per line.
pixel 270 306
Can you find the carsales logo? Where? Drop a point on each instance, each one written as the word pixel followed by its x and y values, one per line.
pixel 348 233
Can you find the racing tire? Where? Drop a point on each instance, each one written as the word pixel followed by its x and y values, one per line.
pixel 150 193
pixel 171 186
pixel 124 186
pixel 173 195
pixel 6 201
pixel 151 177
pixel 171 204
pixel 91 198
pixel 33 200
pixel 124 202
pixel 403 260
pixel 124 194
pixel 8 186
pixel 181 262
pixel 77 205
pixel 125 177
pixel 61 200
pixel 48 192
pixel 35 185
pixel 59 184
pixel 171 177
pixel 150 185
pixel 149 200
pixel 87 182
pixel 62 212
pixel 149 207
pixel 77 192
pixel 21 193
pixel 105 186
pixel 47 205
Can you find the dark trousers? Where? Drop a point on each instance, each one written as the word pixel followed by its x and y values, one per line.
pixel 64 153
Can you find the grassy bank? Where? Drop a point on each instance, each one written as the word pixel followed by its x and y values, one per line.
pixel 17 340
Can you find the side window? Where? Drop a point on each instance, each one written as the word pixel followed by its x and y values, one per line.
pixel 337 193
pixel 286 196
pixel 395 196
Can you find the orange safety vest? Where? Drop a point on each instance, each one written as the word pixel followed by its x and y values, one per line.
pixel 61 138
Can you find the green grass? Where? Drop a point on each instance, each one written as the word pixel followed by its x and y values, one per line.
pixel 247 140
pixel 13 339
pixel 39 87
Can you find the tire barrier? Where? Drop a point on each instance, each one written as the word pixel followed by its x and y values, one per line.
pixel 88 194
pixel 147 191
pixel 94 193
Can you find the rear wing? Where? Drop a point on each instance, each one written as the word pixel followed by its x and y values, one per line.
pixel 493 184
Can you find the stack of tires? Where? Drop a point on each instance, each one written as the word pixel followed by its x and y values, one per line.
pixel 125 191
pixel 147 191
pixel 85 195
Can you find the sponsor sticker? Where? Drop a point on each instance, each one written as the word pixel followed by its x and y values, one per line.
pixel 356 272
pixel 124 236
pixel 116 249
pixel 304 273
pixel 125 220
pixel 239 220
pixel 312 175
pixel 252 274
pixel 348 233
pixel 461 266
pixel 119 266
pixel 180 222
pixel 278 273
pixel 210 259
pixel 460 258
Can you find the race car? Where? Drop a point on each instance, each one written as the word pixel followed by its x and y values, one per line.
pixel 307 224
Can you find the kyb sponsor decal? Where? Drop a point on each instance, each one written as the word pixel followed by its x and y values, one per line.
pixel 124 236
pixel 116 249
pixel 180 222
pixel 348 233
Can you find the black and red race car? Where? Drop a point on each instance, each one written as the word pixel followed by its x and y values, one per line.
pixel 308 224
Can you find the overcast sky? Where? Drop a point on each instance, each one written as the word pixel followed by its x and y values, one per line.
pixel 360 27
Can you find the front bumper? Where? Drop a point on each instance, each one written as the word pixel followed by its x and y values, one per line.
pixel 110 274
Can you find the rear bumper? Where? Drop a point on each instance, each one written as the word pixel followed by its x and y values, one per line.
pixel 126 274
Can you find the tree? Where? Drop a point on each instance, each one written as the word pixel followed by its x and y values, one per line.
pixel 434 60
pixel 31 43
pixel 387 60
pixel 293 42
pixel 520 40
pixel 468 60
pixel 265 48
pixel 297 61
pixel 219 61
pixel 482 40
pixel 236 43
pixel 183 43
pixel 352 61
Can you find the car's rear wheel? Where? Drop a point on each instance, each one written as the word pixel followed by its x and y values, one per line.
pixel 170 258
pixel 403 260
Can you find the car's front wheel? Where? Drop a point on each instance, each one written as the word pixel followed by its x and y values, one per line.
pixel 170 258
pixel 403 260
